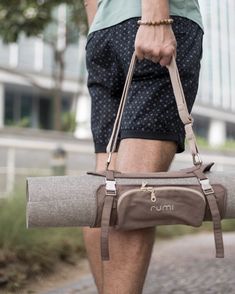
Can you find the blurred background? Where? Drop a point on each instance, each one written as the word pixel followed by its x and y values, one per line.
pixel 45 119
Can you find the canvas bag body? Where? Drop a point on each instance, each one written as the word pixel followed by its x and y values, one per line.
pixel 137 207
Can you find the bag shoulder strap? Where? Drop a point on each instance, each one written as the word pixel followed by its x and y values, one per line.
pixel 185 117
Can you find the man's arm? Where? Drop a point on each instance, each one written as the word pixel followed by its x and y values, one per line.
pixel 156 43
pixel 91 8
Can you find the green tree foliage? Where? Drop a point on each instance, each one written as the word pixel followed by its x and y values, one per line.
pixel 38 17
pixel 33 16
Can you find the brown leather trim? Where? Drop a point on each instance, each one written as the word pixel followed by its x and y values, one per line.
pixel 221 199
pixel 100 197
pixel 204 167
pixel 110 175
pixel 105 225
pixel 184 173
pixel 166 175
pixel 216 218
pixel 215 215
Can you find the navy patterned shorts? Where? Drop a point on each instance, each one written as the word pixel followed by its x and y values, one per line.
pixel 150 111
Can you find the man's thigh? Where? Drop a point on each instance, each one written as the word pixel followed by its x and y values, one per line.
pixel 139 155
pixel 144 155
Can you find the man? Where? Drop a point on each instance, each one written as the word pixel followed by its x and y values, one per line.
pixel 151 131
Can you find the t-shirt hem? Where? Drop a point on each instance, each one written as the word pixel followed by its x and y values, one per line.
pixel 98 27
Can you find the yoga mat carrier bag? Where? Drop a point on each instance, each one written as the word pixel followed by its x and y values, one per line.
pixel 129 201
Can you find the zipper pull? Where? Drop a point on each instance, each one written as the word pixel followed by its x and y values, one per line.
pixel 143 185
pixel 149 189
pixel 153 196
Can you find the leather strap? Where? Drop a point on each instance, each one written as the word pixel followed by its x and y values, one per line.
pixel 105 225
pixel 215 214
pixel 183 173
pixel 181 106
pixel 113 139
pixel 110 175
pixel 106 213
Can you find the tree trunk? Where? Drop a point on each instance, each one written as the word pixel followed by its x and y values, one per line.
pixel 58 79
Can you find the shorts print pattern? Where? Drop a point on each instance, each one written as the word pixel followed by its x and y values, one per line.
pixel 150 111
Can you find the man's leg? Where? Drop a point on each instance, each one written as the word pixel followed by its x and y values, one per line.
pixel 130 252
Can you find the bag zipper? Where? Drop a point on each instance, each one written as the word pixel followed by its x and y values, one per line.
pixel 153 191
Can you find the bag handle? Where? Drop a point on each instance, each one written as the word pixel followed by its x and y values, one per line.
pixel 185 117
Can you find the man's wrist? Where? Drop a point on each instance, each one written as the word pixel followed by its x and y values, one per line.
pixel 155 10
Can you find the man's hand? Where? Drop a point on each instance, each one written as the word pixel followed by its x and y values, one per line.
pixel 156 43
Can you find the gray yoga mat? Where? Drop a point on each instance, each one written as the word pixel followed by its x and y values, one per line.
pixel 65 201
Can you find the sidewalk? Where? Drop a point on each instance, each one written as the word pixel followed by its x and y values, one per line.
pixel 181 266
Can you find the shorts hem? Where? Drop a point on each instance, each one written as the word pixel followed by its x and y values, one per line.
pixel 100 148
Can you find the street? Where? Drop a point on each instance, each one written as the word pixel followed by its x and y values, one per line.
pixel 185 265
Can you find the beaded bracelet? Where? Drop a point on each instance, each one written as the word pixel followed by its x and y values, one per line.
pixel 166 21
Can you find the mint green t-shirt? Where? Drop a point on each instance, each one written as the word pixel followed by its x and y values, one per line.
pixel 111 12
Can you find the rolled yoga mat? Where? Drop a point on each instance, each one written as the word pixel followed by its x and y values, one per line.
pixel 65 201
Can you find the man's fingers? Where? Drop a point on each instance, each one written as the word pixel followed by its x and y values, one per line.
pixel 148 54
pixel 155 54
pixel 165 60
pixel 139 52
pixel 168 52
pixel 155 60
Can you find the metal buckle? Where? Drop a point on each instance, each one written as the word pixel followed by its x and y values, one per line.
pixel 110 187
pixel 206 187
pixel 197 159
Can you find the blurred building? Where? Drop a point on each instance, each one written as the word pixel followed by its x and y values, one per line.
pixel 215 107
pixel 30 62
pixel 31 59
